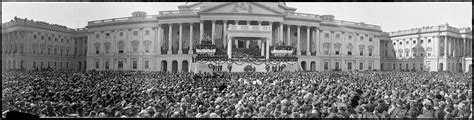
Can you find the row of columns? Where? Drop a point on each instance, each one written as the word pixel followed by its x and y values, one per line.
pixel 225 23
pixel 456 47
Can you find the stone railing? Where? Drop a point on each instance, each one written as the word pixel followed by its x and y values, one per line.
pixel 360 24
pixel 121 19
pixel 20 21
pixel 425 29
pixel 179 12
pixel 302 15
pixel 249 28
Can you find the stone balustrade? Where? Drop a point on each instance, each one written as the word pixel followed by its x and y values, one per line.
pixel 179 12
pixel 249 27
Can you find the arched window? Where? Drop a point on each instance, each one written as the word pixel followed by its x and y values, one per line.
pixel 43 48
pixel 61 50
pixel 337 48
pixel 107 47
pixel 147 44
pixel 20 48
pixel 371 49
pixel 361 50
pixel 35 48
pixel 326 47
pixel 55 50
pixel 135 46
pixel 429 49
pixel 67 51
pixel 121 46
pixel 97 48
pixel 49 49
pixel 349 49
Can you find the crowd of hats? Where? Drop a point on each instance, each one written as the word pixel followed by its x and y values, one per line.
pixel 239 95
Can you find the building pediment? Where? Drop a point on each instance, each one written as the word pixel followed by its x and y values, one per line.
pixel 242 7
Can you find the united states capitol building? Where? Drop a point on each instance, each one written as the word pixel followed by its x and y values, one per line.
pixel 233 36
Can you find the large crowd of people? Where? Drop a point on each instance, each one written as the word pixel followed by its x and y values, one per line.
pixel 337 94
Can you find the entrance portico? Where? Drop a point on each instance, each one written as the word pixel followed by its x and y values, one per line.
pixel 250 32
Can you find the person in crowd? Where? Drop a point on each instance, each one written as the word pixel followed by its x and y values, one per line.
pixel 336 94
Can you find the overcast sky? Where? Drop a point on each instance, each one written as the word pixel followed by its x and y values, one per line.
pixel 390 16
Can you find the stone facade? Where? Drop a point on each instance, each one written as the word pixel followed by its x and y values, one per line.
pixel 167 41
pixel 322 43
pixel 31 45
pixel 432 48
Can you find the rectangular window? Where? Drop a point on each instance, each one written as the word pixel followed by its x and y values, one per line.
pixel 337 52
pixel 42 37
pixel 106 64
pixel 421 66
pixel 34 36
pixel 326 35
pixel 34 64
pixel 96 64
pixel 393 67
pixel 361 53
pixel 370 66
pixel 147 48
pixel 147 64
pixel 326 50
pixel 414 41
pixel 338 36
pixel 361 66
pixel 120 64
pixel 134 64
pixel 147 32
pixel 349 65
pixel 107 35
pixel 135 33
pixel 361 38
pixel 67 65
pixel 421 41
pixel 326 65
pixel 349 53
pixel 337 65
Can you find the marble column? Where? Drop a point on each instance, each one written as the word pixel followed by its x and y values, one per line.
pixel 229 48
pixel 281 33
pixel 224 36
pixel 160 38
pixel 288 36
pixel 445 47
pixel 260 46
pixel 318 41
pixel 308 53
pixel 180 47
pixel 298 39
pixel 248 41
pixel 213 31
pixel 191 29
pixel 170 38
pixel 267 49
pixel 201 31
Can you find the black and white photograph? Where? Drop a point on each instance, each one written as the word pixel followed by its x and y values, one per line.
pixel 381 60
